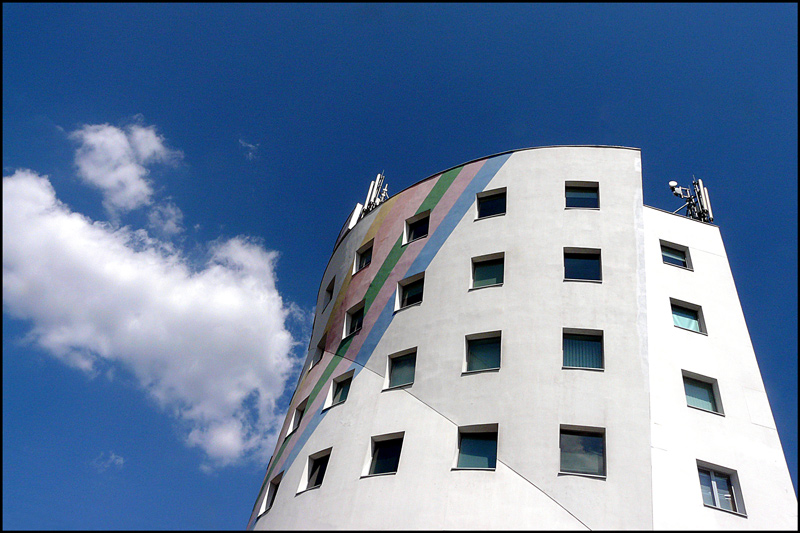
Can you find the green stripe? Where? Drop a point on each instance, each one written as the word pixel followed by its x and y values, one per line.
pixel 439 189
pixel 383 273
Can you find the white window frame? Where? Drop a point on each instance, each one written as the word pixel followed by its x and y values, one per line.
pixel 733 476
pixel 387 377
pixel 332 389
pixel 349 317
pixel 401 287
pixel 486 194
pixel 679 248
pixel 303 487
pixel 296 420
pixel 412 220
pixel 359 253
pixel 271 493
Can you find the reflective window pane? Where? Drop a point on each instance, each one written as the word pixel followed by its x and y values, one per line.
pixel 491 205
pixel 673 256
pixel 582 266
pixel 356 320
pixel 583 351
pixel 418 229
pixel 316 471
pixel 365 258
pixel 341 388
pixel 582 452
pixel 685 318
pixel 582 196
pixel 483 354
pixel 401 370
pixel 488 272
pixel 386 456
pixel 724 492
pixel 706 488
pixel 699 394
pixel 478 450
pixel 411 293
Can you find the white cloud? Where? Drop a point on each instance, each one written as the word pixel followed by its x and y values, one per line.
pixel 165 219
pixel 250 150
pixel 101 463
pixel 210 345
pixel 113 160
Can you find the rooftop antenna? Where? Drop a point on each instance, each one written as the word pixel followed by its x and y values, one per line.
pixel 698 202
pixel 375 196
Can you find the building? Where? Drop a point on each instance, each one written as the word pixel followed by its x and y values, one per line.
pixel 519 343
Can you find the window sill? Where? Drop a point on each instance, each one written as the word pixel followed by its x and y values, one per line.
pixel 737 513
pixel 705 410
pixel 579 474
pixel 584 280
pixel 351 334
pixel 332 406
pixel 679 266
pixel 490 216
pixel 693 331
pixel 485 286
pixel 308 489
pixel 481 371
pixel 406 307
pixel 397 387
pixel 455 468
pixel 415 240
pixel 568 208
pixel 378 475
pixel 362 269
pixel 583 368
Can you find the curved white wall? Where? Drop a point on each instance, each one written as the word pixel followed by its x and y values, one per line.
pixel 531 396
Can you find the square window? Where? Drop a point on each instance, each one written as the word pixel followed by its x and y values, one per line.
pixel 583 451
pixel 583 195
pixel 363 257
pixel 328 296
pixel 477 449
pixel 401 369
pixel 674 256
pixel 410 290
pixel 720 488
pixel 317 466
pixel 583 350
pixel 417 227
pixel 701 393
pixel 491 203
pixel 272 491
pixel 385 456
pixel 687 316
pixel 582 265
pixel 487 271
pixel 483 353
pixel 340 390
pixel 354 319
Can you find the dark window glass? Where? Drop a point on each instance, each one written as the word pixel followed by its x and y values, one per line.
pixel 700 394
pixel 483 354
pixel 317 471
pixel 478 450
pixel 583 351
pixel 298 416
pixel 582 266
pixel 273 491
pixel 411 293
pixel 386 456
pixel 673 256
pixel 341 388
pixel 328 293
pixel 418 229
pixel 402 370
pixel 578 196
pixel 365 258
pixel 488 272
pixel 356 319
pixel 491 205
pixel 582 452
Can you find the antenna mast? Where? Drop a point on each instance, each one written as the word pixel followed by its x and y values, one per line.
pixel 698 202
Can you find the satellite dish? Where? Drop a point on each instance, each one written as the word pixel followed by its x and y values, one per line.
pixel 673 184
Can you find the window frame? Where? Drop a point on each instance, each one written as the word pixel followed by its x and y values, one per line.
pixel 711 382
pixel 369 246
pixel 387 385
pixel 301 408
pixel 319 351
pixel 371 450
pixel 269 498
pixel 734 484
pixel 401 287
pixel 483 196
pixel 485 259
pixel 348 319
pixel 413 220
pixel 595 185
pixel 308 471
pixel 498 334
pixel 584 333
pixel 681 304
pixel 329 399
pixel 327 296
pixel 678 248
pixel 587 431
pixel 479 429
pixel 586 252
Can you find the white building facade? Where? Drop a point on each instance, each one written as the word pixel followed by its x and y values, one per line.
pixel 519 343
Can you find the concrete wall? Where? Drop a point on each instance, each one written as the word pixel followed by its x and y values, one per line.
pixel 744 439
pixel 531 396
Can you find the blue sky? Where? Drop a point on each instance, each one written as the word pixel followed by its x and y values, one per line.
pixel 176 176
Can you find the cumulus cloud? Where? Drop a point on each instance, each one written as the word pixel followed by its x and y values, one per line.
pixel 113 160
pixel 250 150
pixel 101 463
pixel 166 219
pixel 208 343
